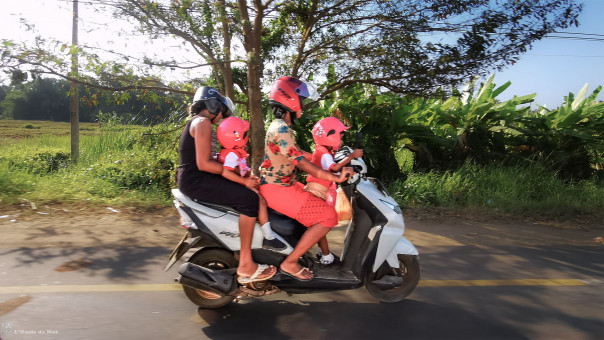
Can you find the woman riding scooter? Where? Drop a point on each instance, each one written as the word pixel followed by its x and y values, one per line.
pixel 277 182
pixel 199 176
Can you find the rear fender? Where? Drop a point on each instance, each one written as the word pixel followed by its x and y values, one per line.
pixel 192 239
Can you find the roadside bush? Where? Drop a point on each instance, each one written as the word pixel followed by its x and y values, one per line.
pixel 138 173
pixel 12 183
pixel 516 189
pixel 42 163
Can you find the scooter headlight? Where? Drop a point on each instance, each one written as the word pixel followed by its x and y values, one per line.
pixel 394 207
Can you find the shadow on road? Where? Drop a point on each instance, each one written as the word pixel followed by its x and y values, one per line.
pixel 335 320
pixel 111 262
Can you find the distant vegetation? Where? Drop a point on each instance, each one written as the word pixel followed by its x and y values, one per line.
pixel 48 99
pixel 467 150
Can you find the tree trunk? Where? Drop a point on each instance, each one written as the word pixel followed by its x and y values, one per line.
pixel 74 107
pixel 227 72
pixel 255 105
pixel 252 42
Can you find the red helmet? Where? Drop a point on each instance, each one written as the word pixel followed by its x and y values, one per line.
pixel 327 132
pixel 232 133
pixel 288 93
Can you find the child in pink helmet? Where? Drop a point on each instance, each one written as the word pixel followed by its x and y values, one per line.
pixel 232 133
pixel 327 134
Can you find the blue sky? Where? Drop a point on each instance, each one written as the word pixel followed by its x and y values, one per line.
pixel 552 68
pixel 555 67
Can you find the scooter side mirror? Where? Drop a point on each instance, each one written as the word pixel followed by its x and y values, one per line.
pixel 358 141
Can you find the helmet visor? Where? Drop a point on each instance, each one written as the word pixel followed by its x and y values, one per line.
pixel 307 90
pixel 231 109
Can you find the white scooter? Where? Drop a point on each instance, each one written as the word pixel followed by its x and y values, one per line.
pixel 375 252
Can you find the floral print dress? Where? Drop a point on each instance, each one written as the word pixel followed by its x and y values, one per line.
pixel 281 155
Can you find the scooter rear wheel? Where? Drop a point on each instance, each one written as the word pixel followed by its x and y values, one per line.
pixel 408 271
pixel 215 259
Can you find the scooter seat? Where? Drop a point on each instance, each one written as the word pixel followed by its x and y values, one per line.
pixel 281 224
pixel 218 207
pixel 285 225
pixel 212 209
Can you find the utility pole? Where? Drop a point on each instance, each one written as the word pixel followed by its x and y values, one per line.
pixel 75 107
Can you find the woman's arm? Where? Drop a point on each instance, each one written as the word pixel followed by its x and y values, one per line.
pixel 307 155
pixel 201 130
pixel 319 173
pixel 250 182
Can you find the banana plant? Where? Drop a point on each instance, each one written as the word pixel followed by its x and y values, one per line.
pixel 569 139
pixel 479 123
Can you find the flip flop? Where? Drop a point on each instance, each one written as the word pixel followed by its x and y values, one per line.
pixel 254 278
pixel 295 276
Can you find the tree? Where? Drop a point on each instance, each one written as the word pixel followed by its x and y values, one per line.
pixel 414 46
pixel 406 46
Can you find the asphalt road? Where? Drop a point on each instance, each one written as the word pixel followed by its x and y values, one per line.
pixel 470 290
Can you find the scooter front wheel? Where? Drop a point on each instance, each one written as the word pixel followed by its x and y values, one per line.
pixel 389 284
pixel 215 259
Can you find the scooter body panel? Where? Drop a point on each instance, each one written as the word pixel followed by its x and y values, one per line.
pixel 391 232
pixel 223 223
pixel 403 247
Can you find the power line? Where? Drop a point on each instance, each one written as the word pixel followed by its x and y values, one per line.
pixel 565 55
pixel 588 37
pixel 579 33
pixel 574 38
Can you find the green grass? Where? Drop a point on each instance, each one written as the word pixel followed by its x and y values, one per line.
pixel 528 190
pixel 118 165
pixel 128 165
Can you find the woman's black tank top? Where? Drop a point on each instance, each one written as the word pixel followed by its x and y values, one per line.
pixel 186 148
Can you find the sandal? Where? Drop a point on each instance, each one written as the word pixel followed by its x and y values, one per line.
pixel 259 271
pixel 296 275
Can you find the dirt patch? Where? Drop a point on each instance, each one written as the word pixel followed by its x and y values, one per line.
pixel 73 265
pixel 10 305
pixel 86 226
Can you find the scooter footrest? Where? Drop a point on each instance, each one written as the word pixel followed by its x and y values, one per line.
pixel 388 282
pixel 334 274
pixel 199 277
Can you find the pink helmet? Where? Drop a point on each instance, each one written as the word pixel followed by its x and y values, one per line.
pixel 232 132
pixel 289 94
pixel 327 132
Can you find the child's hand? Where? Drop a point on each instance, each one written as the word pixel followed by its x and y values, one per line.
pixel 357 153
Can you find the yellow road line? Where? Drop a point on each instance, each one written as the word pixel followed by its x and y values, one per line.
pixel 90 288
pixel 498 283
pixel 177 287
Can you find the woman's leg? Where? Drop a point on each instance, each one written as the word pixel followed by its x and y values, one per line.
pixel 312 235
pixel 247 266
pixel 307 209
pixel 216 189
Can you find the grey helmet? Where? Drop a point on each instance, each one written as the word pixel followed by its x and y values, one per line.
pixel 215 102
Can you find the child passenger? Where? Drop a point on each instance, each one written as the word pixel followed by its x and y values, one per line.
pixel 327 134
pixel 232 133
